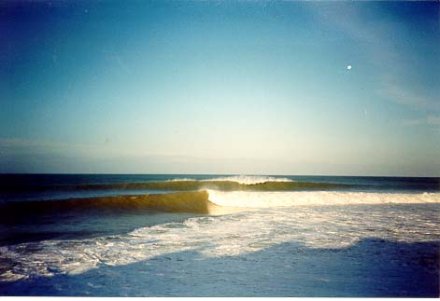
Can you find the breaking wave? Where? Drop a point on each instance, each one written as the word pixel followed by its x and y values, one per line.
pixel 209 202
pixel 217 184
pixel 249 180
pixel 221 236
pixel 190 202
pixel 249 199
pixel 245 183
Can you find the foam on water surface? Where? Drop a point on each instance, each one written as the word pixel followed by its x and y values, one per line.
pixel 240 179
pixel 249 199
pixel 225 217
pixel 233 234
pixel 249 180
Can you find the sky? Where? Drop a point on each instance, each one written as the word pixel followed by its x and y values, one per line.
pixel 227 87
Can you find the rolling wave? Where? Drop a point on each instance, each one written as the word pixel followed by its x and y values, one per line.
pixel 248 180
pixel 224 236
pixel 209 202
pixel 224 184
pixel 250 199
pixel 190 202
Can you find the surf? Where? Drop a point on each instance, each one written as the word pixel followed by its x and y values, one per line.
pixel 208 202
pixel 185 202
pixel 266 199
pixel 222 185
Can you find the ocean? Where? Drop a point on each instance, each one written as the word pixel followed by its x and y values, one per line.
pixel 218 235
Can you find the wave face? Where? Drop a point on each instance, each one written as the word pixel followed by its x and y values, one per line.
pixel 191 202
pixel 207 202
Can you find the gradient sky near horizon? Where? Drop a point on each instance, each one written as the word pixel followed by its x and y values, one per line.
pixel 247 87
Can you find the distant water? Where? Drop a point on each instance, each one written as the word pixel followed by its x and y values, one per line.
pixel 219 235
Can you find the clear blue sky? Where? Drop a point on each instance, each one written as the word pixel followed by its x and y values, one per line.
pixel 250 87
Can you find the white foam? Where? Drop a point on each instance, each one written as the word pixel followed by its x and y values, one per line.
pixel 181 180
pixel 243 179
pixel 249 199
pixel 239 233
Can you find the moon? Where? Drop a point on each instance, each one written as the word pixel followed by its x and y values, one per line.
pixel 349 67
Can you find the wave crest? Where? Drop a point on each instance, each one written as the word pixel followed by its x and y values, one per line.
pixel 215 184
pixel 208 202
pixel 248 180
pixel 250 199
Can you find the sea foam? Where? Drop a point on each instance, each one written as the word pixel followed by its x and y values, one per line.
pixel 266 199
pixel 234 234
pixel 248 180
